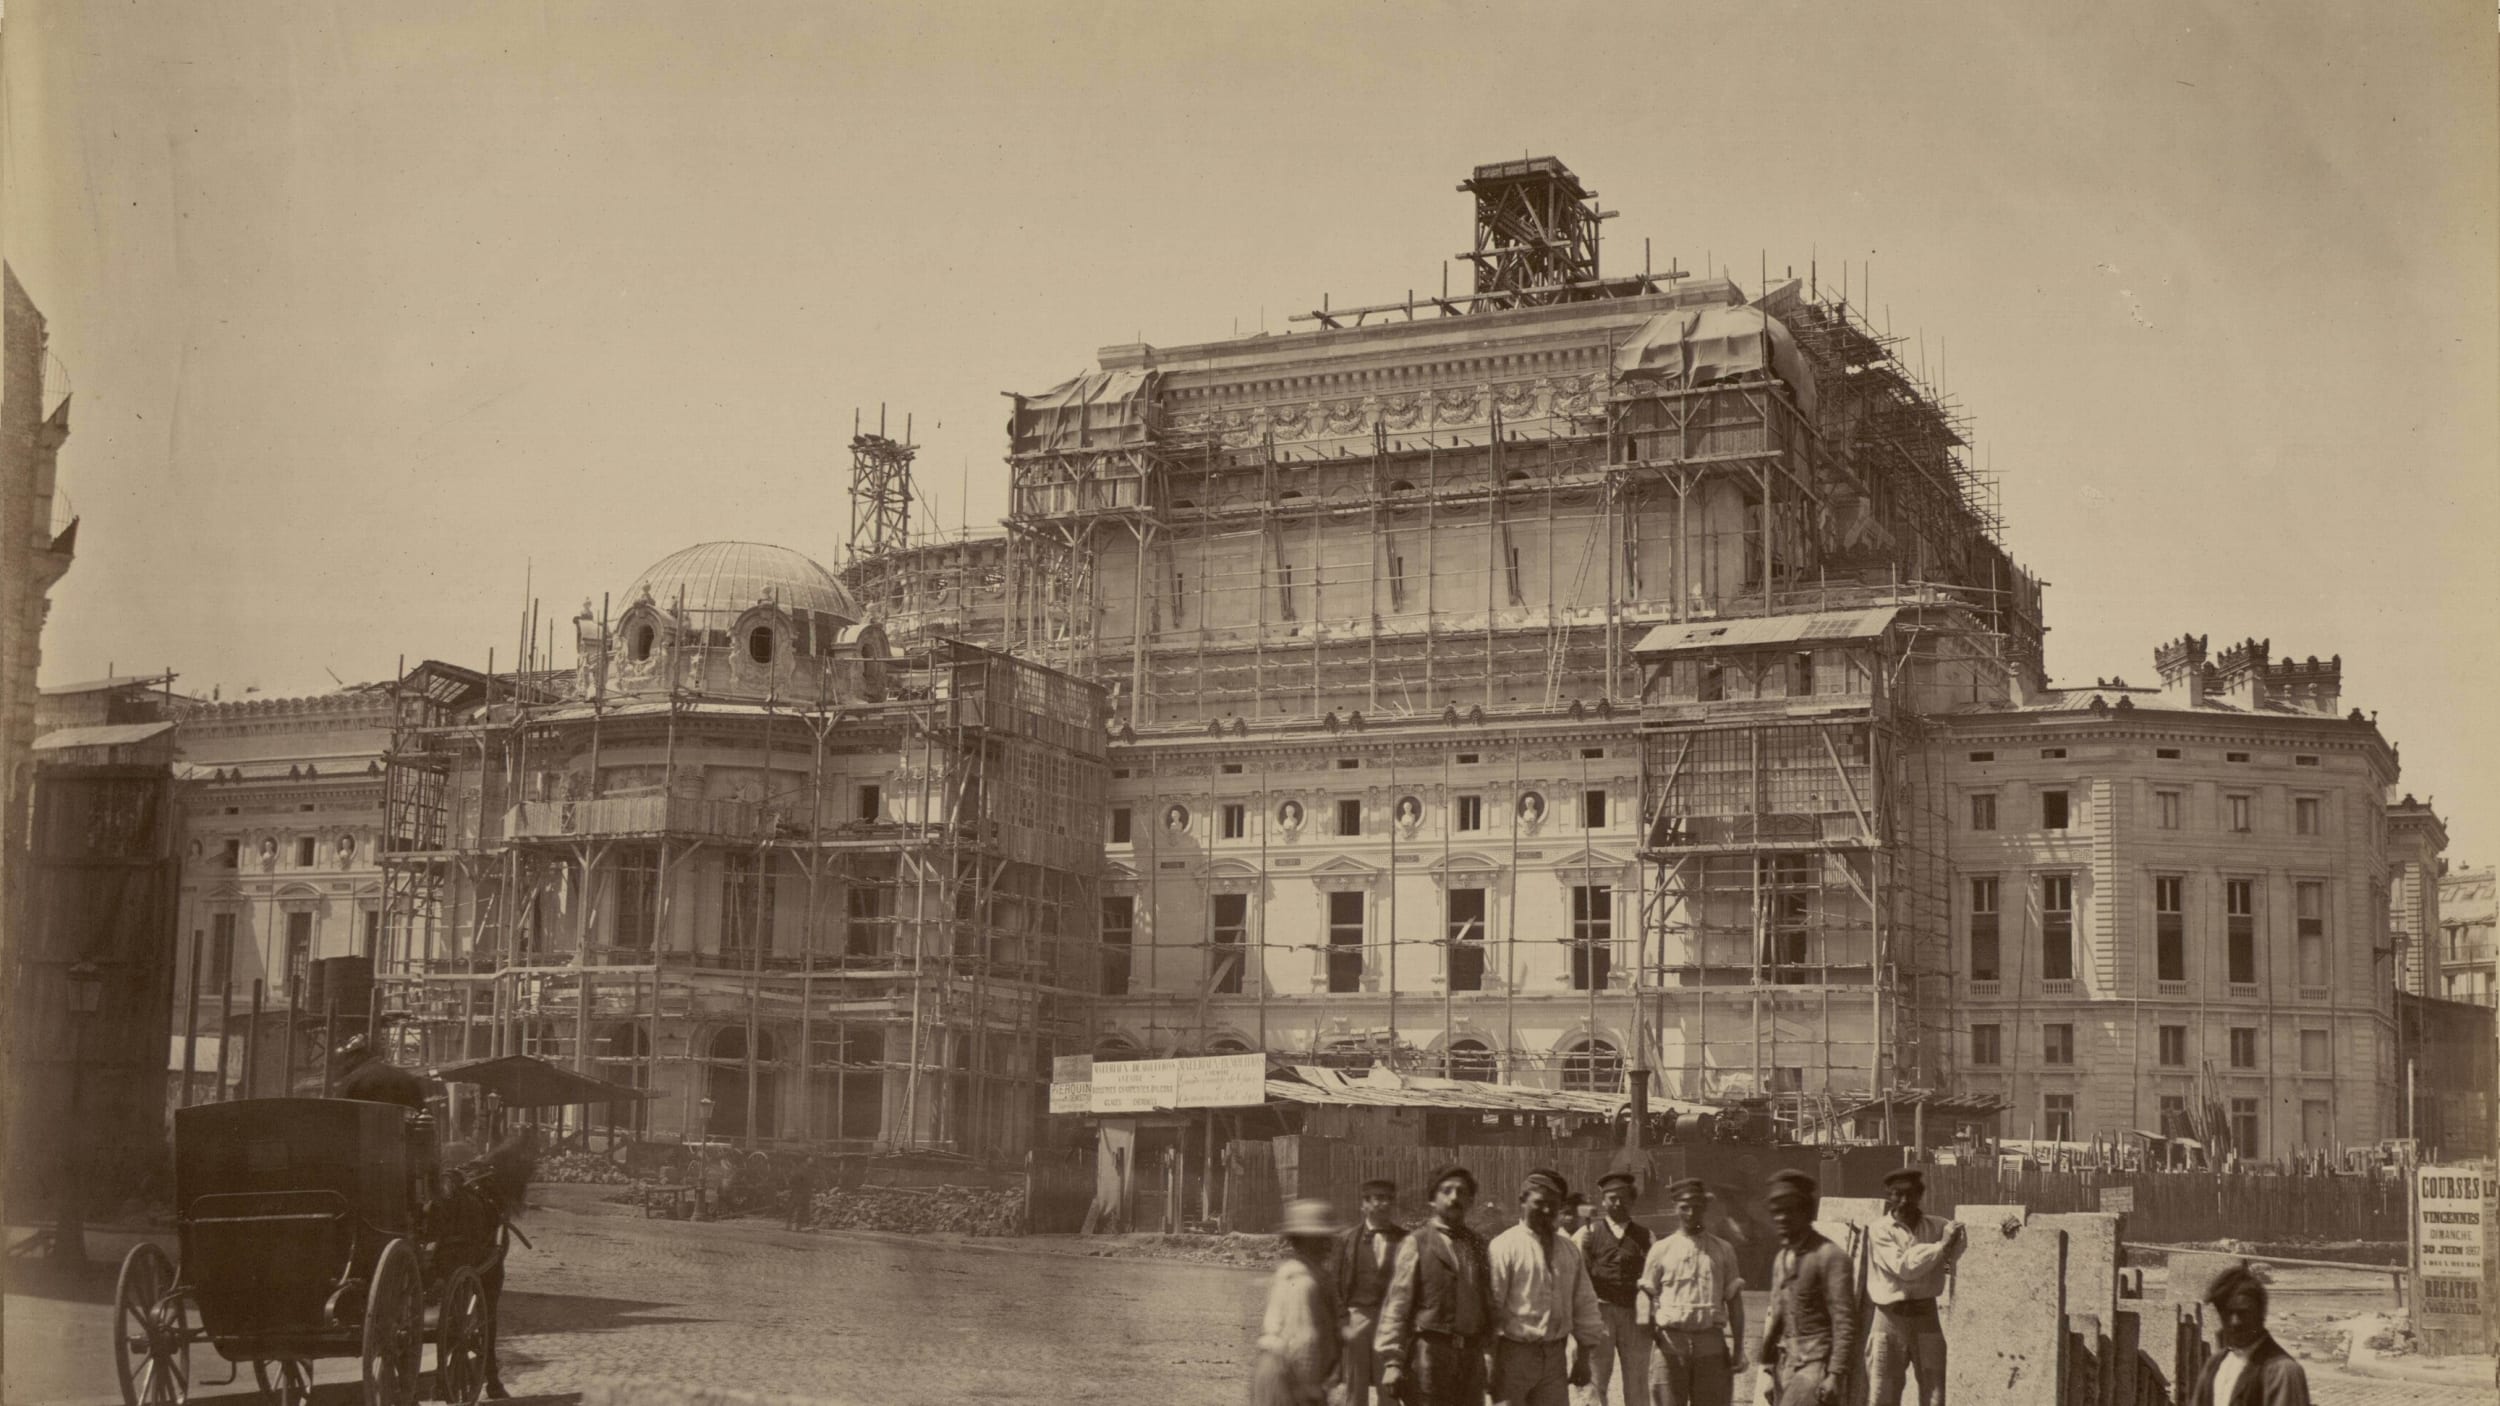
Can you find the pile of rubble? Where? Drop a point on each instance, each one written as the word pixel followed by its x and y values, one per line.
pixel 938 1210
pixel 581 1168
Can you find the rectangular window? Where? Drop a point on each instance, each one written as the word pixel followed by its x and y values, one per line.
pixel 637 899
pixel 2304 760
pixel 2053 754
pixel 1711 684
pixel 871 803
pixel 1349 817
pixel 2057 927
pixel 2174 1115
pixel 1469 758
pixel 373 935
pixel 2309 929
pixel 2169 928
pixel 1983 756
pixel 1591 754
pixel 2235 756
pixel 231 857
pixel 1235 820
pixel 2052 810
pixel 1471 812
pixel 1801 675
pixel 1987 1044
pixel 1983 929
pixel 2057 1117
pixel 1593 810
pixel 1983 811
pixel 2167 806
pixel 1466 934
pixel 2243 1047
pixel 1230 920
pixel 1592 936
pixel 299 938
pixel 304 856
pixel 1119 930
pixel 1120 820
pixel 1230 768
pixel 2239 918
pixel 1349 763
pixel 1345 940
pixel 2167 754
pixel 863 920
pixel 2304 815
pixel 746 902
pixel 1787 930
pixel 2315 1055
pixel 2244 1127
pixel 2174 1046
pixel 220 950
pixel 2057 1043
pixel 2238 808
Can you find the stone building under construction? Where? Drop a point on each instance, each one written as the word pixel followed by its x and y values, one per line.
pixel 800 887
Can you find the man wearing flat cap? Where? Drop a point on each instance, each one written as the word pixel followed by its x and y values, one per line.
pixel 1692 1299
pixel 1365 1254
pixel 1614 1247
pixel 1909 1254
pixel 1542 1303
pixel 1436 1320
pixel 1810 1338
pixel 2252 1369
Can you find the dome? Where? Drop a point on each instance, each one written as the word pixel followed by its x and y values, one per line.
pixel 722 579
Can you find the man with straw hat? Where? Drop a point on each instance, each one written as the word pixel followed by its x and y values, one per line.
pixel 1299 1342
pixel 1543 1303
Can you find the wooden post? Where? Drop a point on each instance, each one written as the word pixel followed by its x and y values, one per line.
pixel 251 1049
pixel 225 1032
pixel 191 1022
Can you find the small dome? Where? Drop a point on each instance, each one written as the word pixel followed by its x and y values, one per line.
pixel 722 579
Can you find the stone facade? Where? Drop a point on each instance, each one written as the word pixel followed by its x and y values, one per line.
pixel 35 553
pixel 2466 948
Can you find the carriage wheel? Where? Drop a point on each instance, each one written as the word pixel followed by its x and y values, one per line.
pixel 288 1382
pixel 394 1328
pixel 151 1330
pixel 462 1340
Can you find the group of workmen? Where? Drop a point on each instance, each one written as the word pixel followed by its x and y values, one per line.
pixel 1545 1312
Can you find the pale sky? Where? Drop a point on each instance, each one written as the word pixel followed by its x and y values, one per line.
pixel 374 309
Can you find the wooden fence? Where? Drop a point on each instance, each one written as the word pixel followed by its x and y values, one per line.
pixel 2173 1207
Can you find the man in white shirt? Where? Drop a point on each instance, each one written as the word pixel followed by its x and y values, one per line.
pixel 2252 1369
pixel 1542 1302
pixel 1908 1256
pixel 1691 1297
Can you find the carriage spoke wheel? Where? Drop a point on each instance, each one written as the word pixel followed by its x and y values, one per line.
pixel 287 1382
pixel 462 1341
pixel 394 1328
pixel 151 1330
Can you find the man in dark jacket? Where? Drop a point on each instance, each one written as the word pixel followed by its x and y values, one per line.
pixel 1366 1252
pixel 1615 1248
pixel 2252 1369
pixel 364 1075
pixel 1436 1319
pixel 1810 1337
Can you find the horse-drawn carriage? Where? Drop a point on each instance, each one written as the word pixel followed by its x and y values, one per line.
pixel 312 1228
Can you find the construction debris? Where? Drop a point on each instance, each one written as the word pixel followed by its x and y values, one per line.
pixel 939 1210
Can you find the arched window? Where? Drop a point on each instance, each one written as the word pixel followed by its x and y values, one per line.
pixel 644 638
pixel 1401 486
pixel 1592 1067
pixel 760 644
pixel 1114 1050
pixel 1227 1045
pixel 1515 476
pixel 1289 495
pixel 1471 1060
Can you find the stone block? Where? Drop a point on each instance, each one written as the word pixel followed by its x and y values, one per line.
pixel 2125 1343
pixel 2007 1319
pixel 2091 1261
pixel 2084 1360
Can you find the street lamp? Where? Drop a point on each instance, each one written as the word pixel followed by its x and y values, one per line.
pixel 85 990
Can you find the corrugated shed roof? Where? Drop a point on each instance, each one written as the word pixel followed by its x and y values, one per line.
pixel 1696 636
pixel 1381 1088
pixel 116 735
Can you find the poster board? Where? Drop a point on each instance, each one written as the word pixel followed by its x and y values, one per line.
pixel 2452 1215
pixel 1079 1085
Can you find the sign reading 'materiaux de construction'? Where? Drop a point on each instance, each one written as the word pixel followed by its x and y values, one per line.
pixel 1145 1085
pixel 2451 1222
